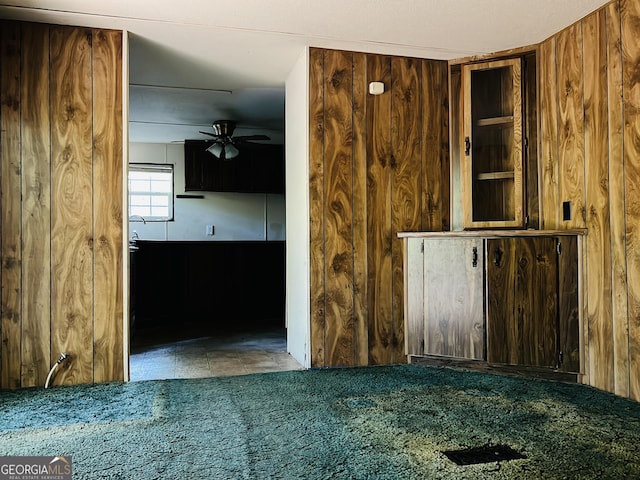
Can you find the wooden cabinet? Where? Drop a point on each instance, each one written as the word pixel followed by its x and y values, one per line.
pixel 258 169
pixel 522 301
pixel 515 293
pixel 444 313
pixel 218 285
pixel 492 162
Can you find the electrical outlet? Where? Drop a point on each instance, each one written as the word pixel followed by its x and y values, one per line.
pixel 566 211
pixel 209 230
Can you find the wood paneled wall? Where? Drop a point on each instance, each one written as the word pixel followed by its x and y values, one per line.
pixel 590 156
pixel 379 164
pixel 61 204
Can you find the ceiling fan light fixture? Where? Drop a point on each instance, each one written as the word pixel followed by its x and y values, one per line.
pixel 230 151
pixel 216 149
pixel 223 151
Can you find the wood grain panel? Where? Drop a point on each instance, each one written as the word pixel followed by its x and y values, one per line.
pixel 107 200
pixel 435 146
pixel 316 202
pixel 599 310
pixel 455 135
pixel 406 181
pixel 630 15
pixel 414 298
pixel 503 335
pixel 10 184
pixel 570 124
pixel 548 169
pixel 36 206
pixel 71 191
pixel 568 314
pixel 379 233
pixel 338 168
pixel 616 203
pixel 360 269
pixel 530 90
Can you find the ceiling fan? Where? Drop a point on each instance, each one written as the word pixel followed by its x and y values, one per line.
pixel 224 143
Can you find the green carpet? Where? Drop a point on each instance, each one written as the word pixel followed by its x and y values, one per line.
pixel 357 423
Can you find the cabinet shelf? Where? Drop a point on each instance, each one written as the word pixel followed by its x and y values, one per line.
pixel 494 121
pixel 496 175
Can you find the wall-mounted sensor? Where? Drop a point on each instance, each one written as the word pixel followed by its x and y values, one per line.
pixel 376 88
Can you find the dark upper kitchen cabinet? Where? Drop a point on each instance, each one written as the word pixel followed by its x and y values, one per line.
pixel 258 169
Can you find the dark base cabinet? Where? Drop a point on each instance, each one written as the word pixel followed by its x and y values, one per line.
pixel 209 285
pixel 532 318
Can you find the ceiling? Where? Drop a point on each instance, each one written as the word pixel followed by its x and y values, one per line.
pixel 196 61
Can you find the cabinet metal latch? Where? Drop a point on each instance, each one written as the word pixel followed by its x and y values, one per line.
pixel 497 257
pixel 474 257
pixel 559 248
pixel 560 358
pixel 467 146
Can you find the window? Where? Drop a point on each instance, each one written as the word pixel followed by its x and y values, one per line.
pixel 151 192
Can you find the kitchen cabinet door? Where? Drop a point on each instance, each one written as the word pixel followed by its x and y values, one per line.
pixel 445 298
pixel 522 301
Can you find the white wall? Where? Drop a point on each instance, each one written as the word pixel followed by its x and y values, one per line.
pixel 297 206
pixel 235 216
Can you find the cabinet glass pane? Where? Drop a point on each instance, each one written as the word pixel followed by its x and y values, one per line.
pixel 492 143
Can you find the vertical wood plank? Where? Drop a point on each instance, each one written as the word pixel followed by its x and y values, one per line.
pixel 570 123
pixel 10 184
pixel 36 205
pixel 630 14
pixel 435 147
pixel 531 134
pixel 548 167
pixel 406 182
pixel 107 200
pixel 316 202
pixel 455 119
pixel 361 332
pixel 71 192
pixel 338 167
pixel 599 312
pixel 379 232
pixel 616 203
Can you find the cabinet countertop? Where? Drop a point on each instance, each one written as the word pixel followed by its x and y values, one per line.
pixel 493 233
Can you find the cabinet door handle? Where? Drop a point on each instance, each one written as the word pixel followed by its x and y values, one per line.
pixel 497 257
pixel 474 257
pixel 467 146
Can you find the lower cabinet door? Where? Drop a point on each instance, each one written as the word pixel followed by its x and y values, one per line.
pixel 522 301
pixel 453 298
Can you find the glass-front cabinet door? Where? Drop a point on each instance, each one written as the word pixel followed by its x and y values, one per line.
pixel 492 161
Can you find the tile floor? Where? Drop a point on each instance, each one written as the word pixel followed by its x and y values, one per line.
pixel 212 356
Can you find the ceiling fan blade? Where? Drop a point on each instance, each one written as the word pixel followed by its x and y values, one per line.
pixel 249 138
pixel 211 134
